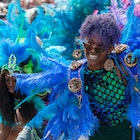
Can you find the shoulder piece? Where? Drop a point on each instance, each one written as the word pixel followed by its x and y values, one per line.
pixel 76 64
pixel 120 48
pixel 125 58
pixel 128 60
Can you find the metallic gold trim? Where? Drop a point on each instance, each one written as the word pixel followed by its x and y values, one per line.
pixel 42 94
pixel 109 64
pixel 127 60
pixel 75 85
pixel 120 48
pixel 75 65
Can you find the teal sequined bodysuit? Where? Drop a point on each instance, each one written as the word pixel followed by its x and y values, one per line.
pixel 107 96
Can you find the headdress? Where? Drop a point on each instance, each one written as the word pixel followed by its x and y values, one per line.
pixel 11 66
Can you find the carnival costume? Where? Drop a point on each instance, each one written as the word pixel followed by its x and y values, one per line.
pixel 15 49
pixel 69 109
pixel 68 112
pixel 12 68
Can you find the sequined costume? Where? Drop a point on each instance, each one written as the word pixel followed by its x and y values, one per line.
pixel 107 96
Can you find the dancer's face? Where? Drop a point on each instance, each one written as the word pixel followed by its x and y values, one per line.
pixel 96 53
pixel 10 83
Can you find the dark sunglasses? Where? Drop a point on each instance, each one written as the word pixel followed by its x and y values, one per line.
pixel 92 46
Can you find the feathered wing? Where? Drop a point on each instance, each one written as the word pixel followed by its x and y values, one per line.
pixel 72 121
pixel 134 87
pixel 35 83
pixel 131 37
pixel 65 115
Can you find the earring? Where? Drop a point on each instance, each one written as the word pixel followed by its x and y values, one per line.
pixel 109 64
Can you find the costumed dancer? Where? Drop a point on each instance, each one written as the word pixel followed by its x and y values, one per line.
pixel 21 43
pixel 21 49
pixel 95 98
pixel 12 120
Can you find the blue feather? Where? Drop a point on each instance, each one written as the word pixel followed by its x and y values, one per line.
pixel 70 116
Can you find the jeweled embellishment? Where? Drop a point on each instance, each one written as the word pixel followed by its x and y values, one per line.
pixel 75 65
pixel 120 48
pixel 75 85
pixel 128 62
pixel 109 64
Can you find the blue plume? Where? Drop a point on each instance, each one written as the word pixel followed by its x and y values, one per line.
pixel 48 112
pixel 132 28
pixel 70 116
pixel 134 109
pixel 63 26
pixel 39 82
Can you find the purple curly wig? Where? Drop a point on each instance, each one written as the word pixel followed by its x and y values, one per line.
pixel 102 25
